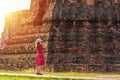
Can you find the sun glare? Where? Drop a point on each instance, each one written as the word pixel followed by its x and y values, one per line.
pixel 7 6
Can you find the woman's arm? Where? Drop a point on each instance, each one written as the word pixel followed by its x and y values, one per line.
pixel 36 47
pixel 44 46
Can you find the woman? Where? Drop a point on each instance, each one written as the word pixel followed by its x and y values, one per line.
pixel 39 56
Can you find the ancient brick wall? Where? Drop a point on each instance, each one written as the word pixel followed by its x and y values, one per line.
pixel 19 51
pixel 81 35
pixel 25 37
pixel 37 11
pixel 84 36
pixel 13 22
pixel 17 61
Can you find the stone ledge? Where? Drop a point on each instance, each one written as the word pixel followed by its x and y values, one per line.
pixel 17 61
pixel 24 55
pixel 84 68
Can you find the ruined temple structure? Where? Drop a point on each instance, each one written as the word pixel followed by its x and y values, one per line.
pixel 21 31
pixel 80 36
pixel 12 23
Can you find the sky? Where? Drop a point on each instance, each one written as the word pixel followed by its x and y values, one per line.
pixel 7 6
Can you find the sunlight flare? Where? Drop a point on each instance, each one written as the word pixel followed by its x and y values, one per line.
pixel 7 6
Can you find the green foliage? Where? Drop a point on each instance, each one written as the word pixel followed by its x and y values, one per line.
pixel 29 78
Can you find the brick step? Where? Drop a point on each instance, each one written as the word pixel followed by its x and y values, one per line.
pixel 17 61
pixel 117 62
pixel 29 38
pixel 85 67
pixel 19 48
pixel 31 30
pixel 82 58
pixel 74 38
pixel 83 34
pixel 29 35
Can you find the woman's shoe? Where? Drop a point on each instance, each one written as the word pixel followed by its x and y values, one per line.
pixel 39 74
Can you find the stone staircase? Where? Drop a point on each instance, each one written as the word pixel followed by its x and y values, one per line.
pixel 24 40
pixel 20 49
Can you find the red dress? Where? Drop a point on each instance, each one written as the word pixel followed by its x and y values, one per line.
pixel 40 56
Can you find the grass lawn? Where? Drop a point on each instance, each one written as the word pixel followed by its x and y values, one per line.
pixel 2 77
pixel 32 71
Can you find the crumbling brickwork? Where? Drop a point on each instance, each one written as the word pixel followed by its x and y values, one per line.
pixel 19 51
pixel 84 36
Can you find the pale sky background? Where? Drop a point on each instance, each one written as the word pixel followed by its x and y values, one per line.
pixel 7 6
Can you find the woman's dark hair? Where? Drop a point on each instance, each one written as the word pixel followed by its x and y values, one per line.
pixel 38 44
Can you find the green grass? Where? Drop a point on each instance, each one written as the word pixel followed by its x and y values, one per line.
pixel 32 71
pixel 3 77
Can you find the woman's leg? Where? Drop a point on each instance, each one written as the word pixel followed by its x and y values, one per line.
pixel 38 70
